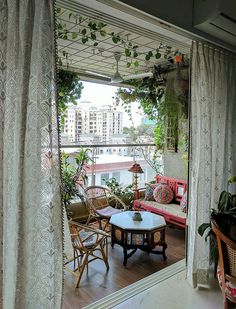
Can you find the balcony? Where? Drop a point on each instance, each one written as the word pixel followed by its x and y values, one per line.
pixel 114 161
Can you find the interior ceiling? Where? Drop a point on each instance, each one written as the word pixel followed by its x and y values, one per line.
pixel 100 59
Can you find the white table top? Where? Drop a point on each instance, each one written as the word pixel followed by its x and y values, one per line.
pixel 150 221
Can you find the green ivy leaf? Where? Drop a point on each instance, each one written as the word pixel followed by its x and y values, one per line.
pixel 103 32
pixel 136 63
pixel 158 55
pixel 84 40
pixel 101 25
pixel 74 35
pixel 93 36
pixel 135 54
pixel 83 31
pixel 95 44
pixel 128 64
pixel 127 52
pixel 147 57
pixel 64 36
pixel 115 39
pixel 93 26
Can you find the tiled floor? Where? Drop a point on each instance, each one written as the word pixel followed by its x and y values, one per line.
pixel 166 289
pixel 175 293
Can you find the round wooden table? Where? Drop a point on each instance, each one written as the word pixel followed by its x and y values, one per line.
pixel 132 235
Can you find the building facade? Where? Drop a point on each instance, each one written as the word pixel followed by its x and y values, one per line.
pixel 85 120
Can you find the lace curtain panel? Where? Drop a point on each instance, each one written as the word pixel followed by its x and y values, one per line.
pixel 31 233
pixel 212 149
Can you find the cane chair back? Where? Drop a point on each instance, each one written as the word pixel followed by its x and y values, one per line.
pixel 88 244
pixel 102 204
pixel 226 264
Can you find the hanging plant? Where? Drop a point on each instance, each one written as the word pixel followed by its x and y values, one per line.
pixel 159 103
pixel 69 91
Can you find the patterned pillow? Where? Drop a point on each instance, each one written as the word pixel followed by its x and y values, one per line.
pixel 163 194
pixel 184 202
pixel 149 191
pixel 230 288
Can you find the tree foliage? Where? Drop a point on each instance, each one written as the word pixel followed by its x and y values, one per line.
pixel 141 130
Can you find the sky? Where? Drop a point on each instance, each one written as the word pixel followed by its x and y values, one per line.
pixel 99 95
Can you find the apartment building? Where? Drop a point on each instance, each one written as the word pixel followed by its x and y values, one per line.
pixel 86 119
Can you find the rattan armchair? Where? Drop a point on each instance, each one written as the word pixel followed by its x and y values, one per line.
pixel 102 204
pixel 88 245
pixel 226 271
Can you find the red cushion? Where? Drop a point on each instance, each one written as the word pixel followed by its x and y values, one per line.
pixel 163 194
pixel 230 288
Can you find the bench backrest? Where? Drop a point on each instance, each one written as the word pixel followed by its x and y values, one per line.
pixel 178 186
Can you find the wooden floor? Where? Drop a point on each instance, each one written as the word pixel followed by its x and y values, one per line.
pixel 99 282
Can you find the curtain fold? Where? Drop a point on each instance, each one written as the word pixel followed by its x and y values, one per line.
pixel 3 46
pixel 32 261
pixel 212 146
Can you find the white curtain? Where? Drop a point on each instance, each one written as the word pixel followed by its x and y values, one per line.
pixel 212 149
pixel 30 204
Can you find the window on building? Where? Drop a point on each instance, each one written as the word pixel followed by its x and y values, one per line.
pixel 116 175
pixel 104 176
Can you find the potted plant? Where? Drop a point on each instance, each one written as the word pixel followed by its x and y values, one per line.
pixel 74 176
pixel 226 209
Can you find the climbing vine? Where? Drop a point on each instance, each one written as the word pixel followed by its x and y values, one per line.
pixel 90 31
pixel 159 99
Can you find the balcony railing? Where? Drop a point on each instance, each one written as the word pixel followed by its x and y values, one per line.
pixel 114 160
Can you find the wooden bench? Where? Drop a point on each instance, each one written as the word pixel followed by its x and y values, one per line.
pixel 172 212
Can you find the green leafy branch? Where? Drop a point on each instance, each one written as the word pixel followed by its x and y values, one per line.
pixel 74 175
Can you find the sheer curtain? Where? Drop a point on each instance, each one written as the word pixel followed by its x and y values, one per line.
pixel 31 234
pixel 212 150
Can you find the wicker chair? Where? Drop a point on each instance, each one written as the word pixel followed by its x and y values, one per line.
pixel 88 245
pixel 226 271
pixel 102 204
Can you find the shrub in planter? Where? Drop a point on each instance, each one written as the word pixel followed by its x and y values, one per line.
pixel 125 193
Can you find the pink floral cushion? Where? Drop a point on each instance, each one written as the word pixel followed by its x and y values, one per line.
pixel 184 202
pixel 230 288
pixel 150 187
pixel 163 194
